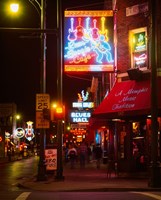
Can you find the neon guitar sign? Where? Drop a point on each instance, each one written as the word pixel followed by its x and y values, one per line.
pixel 88 42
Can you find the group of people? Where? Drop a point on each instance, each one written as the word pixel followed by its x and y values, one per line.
pixel 84 153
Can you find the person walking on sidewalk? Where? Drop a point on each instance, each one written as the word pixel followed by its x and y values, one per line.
pixel 110 166
pixel 98 155
pixel 83 154
pixel 72 153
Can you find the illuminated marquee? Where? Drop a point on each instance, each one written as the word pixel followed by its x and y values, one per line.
pixel 80 117
pixel 88 37
pixel 78 131
pixel 83 105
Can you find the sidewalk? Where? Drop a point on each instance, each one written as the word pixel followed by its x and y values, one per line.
pixel 88 179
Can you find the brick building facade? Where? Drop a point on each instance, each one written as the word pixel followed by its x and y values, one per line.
pixel 133 15
pixel 129 138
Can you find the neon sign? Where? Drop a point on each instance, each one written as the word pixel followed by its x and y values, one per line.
pixel 140 60
pixel 83 96
pixel 29 131
pixel 83 104
pixel 7 135
pixel 139 40
pixel 88 37
pixel 139 57
pixel 78 131
pixel 19 132
pixel 80 117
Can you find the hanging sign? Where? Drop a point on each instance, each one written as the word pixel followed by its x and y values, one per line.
pixel 88 41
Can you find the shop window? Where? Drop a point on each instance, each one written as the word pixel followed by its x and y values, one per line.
pixel 139 130
pixel 139 133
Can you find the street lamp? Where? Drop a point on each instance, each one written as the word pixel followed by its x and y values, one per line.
pixel 14 7
pixel 41 167
pixel 18 117
pixel 59 175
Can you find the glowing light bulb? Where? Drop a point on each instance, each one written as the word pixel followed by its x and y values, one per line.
pixel 14 7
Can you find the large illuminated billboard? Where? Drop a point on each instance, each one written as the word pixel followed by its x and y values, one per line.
pixel 88 41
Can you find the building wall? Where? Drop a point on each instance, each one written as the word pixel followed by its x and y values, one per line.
pixel 124 25
pixel 159 34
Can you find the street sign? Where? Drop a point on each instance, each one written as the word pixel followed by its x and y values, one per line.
pixel 136 9
pixel 42 101
pixel 40 121
pixel 51 159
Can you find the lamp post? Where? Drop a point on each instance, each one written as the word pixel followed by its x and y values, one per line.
pixel 41 166
pixel 59 175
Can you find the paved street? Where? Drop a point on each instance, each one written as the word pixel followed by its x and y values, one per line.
pixel 23 174
pixel 19 178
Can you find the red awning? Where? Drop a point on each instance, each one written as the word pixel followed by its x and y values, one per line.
pixel 127 98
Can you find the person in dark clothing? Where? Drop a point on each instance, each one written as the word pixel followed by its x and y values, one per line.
pixel 83 154
pixel 98 155
pixel 72 153
pixel 89 154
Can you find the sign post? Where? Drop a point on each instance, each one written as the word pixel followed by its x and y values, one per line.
pixel 42 102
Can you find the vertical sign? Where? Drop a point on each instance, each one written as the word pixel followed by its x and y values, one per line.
pixel 42 101
pixel 139 48
pixel 51 159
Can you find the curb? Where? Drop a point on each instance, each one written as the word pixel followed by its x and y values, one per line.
pixel 19 185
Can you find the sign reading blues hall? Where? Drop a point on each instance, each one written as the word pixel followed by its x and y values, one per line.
pixel 80 117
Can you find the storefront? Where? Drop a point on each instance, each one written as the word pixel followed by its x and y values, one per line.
pixel 125 116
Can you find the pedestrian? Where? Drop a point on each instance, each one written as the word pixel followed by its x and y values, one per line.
pixel 72 153
pixel 65 153
pixel 89 153
pixel 98 155
pixel 116 168
pixel 109 166
pixel 82 154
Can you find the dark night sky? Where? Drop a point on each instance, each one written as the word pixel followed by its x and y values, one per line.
pixel 20 60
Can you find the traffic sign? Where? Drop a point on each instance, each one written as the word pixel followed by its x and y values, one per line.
pixel 42 101
pixel 40 121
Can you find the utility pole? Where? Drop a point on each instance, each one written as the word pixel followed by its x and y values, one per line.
pixel 154 180
pixel 41 166
pixel 59 175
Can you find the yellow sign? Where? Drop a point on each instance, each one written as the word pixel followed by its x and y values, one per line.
pixel 42 101
pixel 40 121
